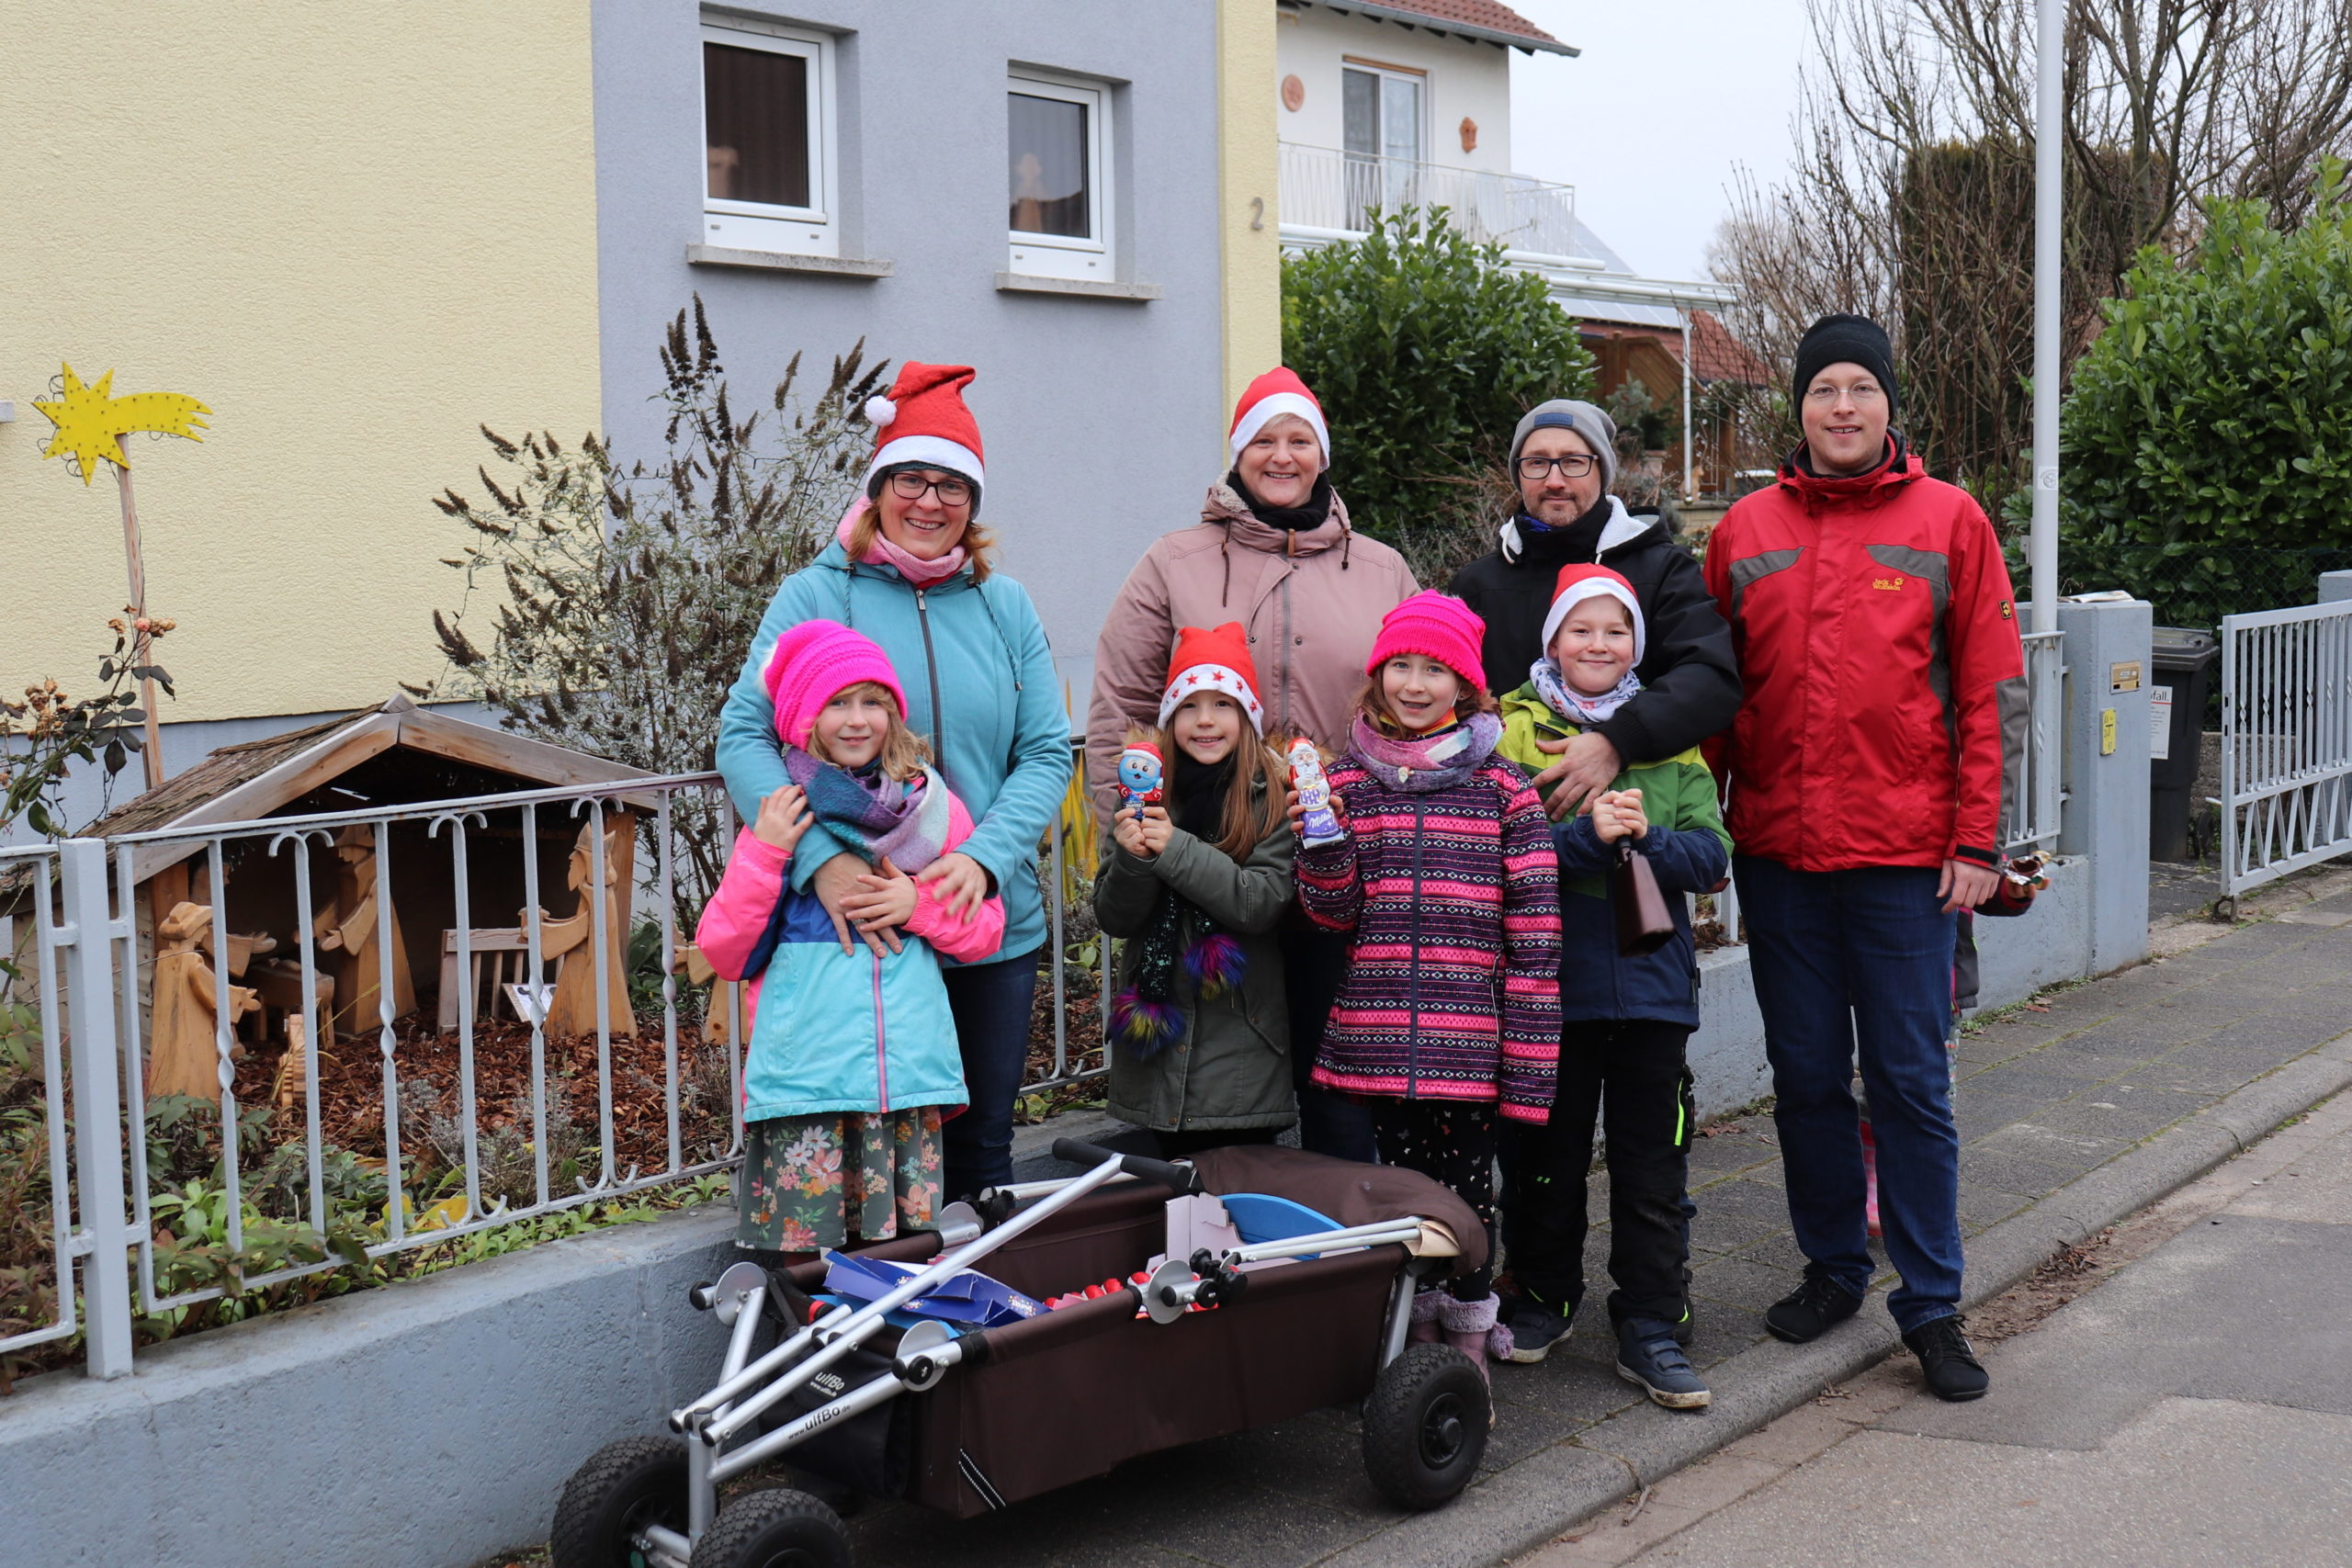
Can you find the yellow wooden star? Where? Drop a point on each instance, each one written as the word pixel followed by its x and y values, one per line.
pixel 91 423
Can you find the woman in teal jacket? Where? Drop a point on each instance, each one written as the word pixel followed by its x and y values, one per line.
pixel 910 567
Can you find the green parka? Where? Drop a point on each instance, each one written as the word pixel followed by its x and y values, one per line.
pixel 1230 1070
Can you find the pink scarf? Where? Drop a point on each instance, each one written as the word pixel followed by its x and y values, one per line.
pixel 914 568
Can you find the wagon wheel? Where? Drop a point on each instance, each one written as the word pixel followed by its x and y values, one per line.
pixel 775 1528
pixel 625 1486
pixel 1425 1427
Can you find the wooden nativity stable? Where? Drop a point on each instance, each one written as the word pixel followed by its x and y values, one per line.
pixel 389 755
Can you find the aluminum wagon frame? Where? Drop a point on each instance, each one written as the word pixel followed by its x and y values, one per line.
pixel 989 1426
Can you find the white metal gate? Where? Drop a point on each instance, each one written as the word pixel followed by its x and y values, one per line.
pixel 2286 743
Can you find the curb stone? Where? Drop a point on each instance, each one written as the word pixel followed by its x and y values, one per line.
pixel 1551 1492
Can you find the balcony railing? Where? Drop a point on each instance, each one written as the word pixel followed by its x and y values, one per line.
pixel 1337 193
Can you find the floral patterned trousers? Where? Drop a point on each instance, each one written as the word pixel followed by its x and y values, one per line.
pixel 837 1180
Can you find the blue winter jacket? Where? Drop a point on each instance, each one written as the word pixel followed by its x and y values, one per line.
pixel 980 687
pixel 1595 981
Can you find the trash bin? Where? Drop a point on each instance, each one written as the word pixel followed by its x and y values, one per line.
pixel 2180 683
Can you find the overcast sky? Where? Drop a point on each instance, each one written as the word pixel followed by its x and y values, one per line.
pixel 1650 120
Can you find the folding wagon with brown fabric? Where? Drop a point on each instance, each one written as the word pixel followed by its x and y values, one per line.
pixel 1293 1318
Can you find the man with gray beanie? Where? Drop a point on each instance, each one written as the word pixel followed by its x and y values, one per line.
pixel 1562 461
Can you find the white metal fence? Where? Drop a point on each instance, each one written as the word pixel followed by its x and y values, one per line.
pixel 2286 743
pixel 1338 193
pixel 2036 792
pixel 445 1151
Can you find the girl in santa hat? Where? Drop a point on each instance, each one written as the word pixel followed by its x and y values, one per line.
pixel 852 1063
pixel 1448 1021
pixel 1200 1038
pixel 909 567
pixel 1626 1019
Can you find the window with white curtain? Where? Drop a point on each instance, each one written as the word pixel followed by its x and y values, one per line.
pixel 1058 177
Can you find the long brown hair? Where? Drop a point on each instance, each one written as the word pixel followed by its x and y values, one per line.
pixel 1250 813
pixel 977 542
pixel 904 753
pixel 1372 703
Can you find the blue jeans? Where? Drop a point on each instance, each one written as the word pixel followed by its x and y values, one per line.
pixel 992 1003
pixel 1847 959
pixel 1314 963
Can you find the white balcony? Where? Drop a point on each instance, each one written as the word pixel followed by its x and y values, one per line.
pixel 1329 194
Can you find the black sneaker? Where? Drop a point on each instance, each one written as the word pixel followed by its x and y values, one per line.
pixel 1810 1310
pixel 1535 1327
pixel 1948 1360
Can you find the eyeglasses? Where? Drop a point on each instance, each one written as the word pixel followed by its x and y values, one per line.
pixel 951 491
pixel 1575 466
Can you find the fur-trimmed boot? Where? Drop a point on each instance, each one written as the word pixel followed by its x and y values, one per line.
pixel 1425 1330
pixel 1475 1329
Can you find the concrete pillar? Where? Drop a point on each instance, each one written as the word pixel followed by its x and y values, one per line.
pixel 2105 819
pixel 2334 587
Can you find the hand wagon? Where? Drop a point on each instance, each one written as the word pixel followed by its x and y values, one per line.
pixel 1223 1340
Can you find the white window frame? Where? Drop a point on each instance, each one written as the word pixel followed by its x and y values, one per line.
pixel 1060 255
pixel 810 231
pixel 1423 106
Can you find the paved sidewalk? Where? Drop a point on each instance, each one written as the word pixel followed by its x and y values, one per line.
pixel 2192 1406
pixel 2050 1094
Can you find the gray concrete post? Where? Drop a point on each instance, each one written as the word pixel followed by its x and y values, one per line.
pixel 2105 818
pixel 90 933
pixel 2334 587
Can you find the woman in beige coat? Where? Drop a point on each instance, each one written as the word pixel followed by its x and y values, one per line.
pixel 1273 551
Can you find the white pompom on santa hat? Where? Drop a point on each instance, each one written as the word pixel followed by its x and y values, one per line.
pixel 1277 392
pixel 924 421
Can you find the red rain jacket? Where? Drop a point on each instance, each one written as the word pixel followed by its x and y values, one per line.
pixel 1884 713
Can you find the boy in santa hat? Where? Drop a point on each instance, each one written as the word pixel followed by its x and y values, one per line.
pixel 1626 1019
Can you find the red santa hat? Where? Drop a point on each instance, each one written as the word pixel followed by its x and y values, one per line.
pixel 1213 661
pixel 1277 392
pixel 1578 584
pixel 924 421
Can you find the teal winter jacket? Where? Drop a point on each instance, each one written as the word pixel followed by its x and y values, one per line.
pixel 980 687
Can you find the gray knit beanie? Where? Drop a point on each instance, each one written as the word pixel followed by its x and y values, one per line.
pixel 1599 431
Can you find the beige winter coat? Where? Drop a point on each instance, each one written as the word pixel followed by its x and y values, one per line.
pixel 1311 600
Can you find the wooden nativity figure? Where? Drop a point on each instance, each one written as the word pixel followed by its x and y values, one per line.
pixel 348 930
pixel 184 1055
pixel 573 1009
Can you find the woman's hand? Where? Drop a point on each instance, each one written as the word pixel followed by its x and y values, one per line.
pixel 958 882
pixel 784 816
pixel 1617 814
pixel 1157 830
pixel 885 899
pixel 834 885
pixel 1127 832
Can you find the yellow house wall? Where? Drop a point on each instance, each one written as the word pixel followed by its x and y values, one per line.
pixel 356 231
pixel 1249 170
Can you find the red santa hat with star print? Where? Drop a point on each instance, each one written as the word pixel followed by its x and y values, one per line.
pixel 1213 661
pixel 923 420
pixel 1277 392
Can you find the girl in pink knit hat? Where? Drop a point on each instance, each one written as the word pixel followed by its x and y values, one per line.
pixel 852 1063
pixel 1449 1020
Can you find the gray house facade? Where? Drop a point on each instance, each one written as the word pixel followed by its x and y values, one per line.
pixel 1027 187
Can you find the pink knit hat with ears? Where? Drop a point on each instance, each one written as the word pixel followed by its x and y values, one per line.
pixel 813 663
pixel 1436 626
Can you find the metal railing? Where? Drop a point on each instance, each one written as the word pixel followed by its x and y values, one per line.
pixel 31 1034
pixel 2037 792
pixel 2286 743
pixel 1337 193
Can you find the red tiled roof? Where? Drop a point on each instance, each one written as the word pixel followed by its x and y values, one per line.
pixel 1716 355
pixel 1490 15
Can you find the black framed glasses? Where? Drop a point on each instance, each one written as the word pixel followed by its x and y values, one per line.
pixel 952 491
pixel 1575 466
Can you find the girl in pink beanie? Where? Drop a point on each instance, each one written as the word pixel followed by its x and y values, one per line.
pixel 1449 1020
pixel 853 1062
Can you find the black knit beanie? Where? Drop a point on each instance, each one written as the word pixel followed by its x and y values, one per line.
pixel 1841 339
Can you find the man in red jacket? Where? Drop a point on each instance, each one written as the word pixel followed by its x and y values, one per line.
pixel 1884 696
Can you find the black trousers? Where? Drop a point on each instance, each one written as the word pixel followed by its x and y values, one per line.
pixel 1629 1075
pixel 1452 1143
pixel 1314 963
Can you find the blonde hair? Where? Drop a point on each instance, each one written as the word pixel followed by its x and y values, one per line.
pixel 904 753
pixel 1250 813
pixel 1373 703
pixel 977 541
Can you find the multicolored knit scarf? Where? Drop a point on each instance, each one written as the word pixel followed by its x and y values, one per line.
pixel 1574 705
pixel 873 813
pixel 1144 1013
pixel 1426 761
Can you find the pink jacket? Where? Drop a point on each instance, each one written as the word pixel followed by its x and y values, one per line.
pixel 1311 600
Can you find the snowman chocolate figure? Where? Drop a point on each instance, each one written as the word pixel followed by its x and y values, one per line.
pixel 1139 767
pixel 1320 825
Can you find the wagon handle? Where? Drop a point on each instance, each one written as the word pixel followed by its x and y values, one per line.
pixel 1182 1177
